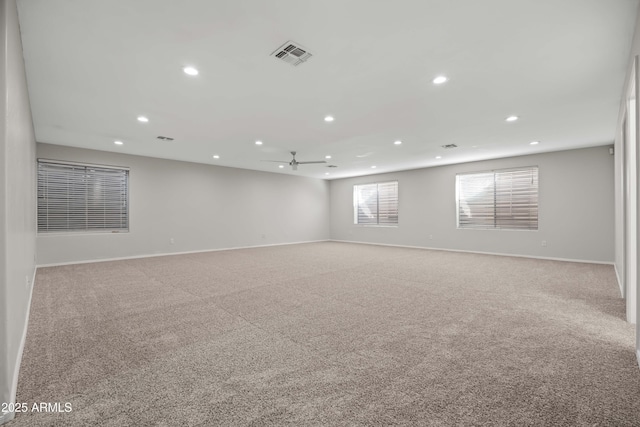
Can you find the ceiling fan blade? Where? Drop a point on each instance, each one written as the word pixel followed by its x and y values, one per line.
pixel 294 163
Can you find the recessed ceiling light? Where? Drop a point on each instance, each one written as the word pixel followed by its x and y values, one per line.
pixel 328 119
pixel 190 71
pixel 118 142
pixel 439 80
pixel 511 118
pixel 327 157
pixel 143 119
pixel 534 142
pixel 373 167
pixel 438 157
pixel 398 142
pixel 216 156
pixel 258 142
pixel 281 166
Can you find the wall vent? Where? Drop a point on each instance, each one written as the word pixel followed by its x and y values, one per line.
pixel 164 138
pixel 449 146
pixel 292 53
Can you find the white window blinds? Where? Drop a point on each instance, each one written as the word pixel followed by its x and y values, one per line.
pixel 376 204
pixel 74 197
pixel 503 199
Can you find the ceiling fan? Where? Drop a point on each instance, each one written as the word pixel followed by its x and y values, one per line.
pixel 294 163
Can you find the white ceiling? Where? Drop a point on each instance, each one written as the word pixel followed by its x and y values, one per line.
pixel 93 66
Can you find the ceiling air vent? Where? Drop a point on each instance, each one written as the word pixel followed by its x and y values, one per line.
pixel 164 138
pixel 449 146
pixel 292 53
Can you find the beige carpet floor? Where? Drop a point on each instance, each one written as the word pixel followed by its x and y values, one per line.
pixel 330 334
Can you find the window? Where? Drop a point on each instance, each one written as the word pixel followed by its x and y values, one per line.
pixel 502 199
pixel 376 204
pixel 75 197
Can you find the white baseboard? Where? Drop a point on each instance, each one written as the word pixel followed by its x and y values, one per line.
pixel 479 252
pixel 8 416
pixel 615 268
pixel 89 261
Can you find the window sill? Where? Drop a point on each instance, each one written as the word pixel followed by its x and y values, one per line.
pixel 376 225
pixel 496 229
pixel 79 232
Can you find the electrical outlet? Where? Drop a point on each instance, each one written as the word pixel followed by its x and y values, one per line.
pixel 172 241
pixel 430 236
pixel 544 243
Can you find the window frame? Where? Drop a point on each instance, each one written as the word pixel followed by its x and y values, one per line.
pixel 377 216
pixel 87 229
pixel 495 218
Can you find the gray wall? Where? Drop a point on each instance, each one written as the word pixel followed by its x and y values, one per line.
pixel 17 203
pixel 200 206
pixel 576 215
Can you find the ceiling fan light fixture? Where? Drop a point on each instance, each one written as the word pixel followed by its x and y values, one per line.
pixel 294 162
